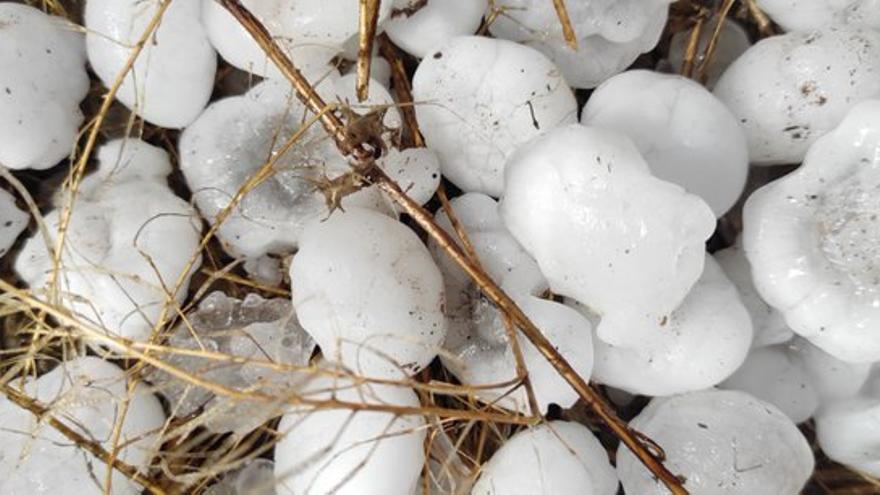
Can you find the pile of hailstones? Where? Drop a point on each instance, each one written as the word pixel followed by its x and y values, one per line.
pixel 610 213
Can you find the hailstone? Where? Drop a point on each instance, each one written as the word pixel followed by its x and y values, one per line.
pixel 172 78
pixel 478 99
pixel 848 432
pixel 41 84
pixel 802 15
pixel 417 26
pixel 788 90
pixel 128 241
pixel 812 239
pixel 12 221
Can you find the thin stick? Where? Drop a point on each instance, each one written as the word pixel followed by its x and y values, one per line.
pixel 709 54
pixel 367 20
pixel 765 27
pixel 565 20
pixel 690 53
pixel 402 91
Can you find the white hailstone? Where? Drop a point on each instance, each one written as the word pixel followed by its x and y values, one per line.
pixel 478 99
pixel 366 289
pixel 611 34
pixel 347 452
pixel 416 171
pixel 603 230
pixel 685 134
pixel 172 78
pixel 418 26
pixel 86 394
pixel 831 378
pixel 789 90
pixel 731 43
pixel 236 136
pixel 802 15
pixel 12 221
pixel 310 32
pixel 848 433
pixel 701 343
pixel 555 458
pixel 723 442
pixel 128 242
pixel 768 324
pixel 812 239
pixel 254 329
pixel 478 350
pixel 41 84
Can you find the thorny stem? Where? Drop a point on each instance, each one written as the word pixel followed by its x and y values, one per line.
pixel 367 20
pixel 565 20
pixel 365 165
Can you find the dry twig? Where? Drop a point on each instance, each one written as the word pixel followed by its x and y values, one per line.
pixel 367 20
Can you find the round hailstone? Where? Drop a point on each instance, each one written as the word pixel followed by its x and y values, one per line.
pixel 731 43
pixel 236 136
pixel 12 221
pixel 41 84
pixel 173 76
pixel 555 458
pixel 604 231
pixel 310 32
pixel 417 26
pixel 478 350
pixel 611 33
pixel 478 99
pixel 346 452
pixel 685 134
pixel 700 344
pixel 813 240
pixel 789 90
pixel 768 324
pixel 847 432
pixel 803 15
pixel 416 171
pixel 366 289
pixel 128 242
pixel 723 442
pixel 86 394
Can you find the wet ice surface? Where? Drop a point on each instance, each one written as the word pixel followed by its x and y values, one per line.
pixel 264 331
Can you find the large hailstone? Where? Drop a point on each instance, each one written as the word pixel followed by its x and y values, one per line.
pixel 730 44
pixel 233 139
pixel 478 99
pixel 41 84
pixel 417 26
pixel 701 343
pixel 611 33
pixel 477 348
pixel 724 442
pixel 789 90
pixel 310 32
pixel 603 230
pixel 127 243
pixel 345 452
pixel 172 78
pixel 685 134
pixel 555 458
pixel 86 394
pixel 366 289
pixel 813 240
pixel 12 221
pixel 802 15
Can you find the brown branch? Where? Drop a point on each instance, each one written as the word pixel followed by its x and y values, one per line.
pixel 367 20
pixel 765 27
pixel 565 20
pixel 403 92
pixel 709 53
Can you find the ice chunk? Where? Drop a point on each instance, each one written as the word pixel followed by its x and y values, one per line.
pixel 41 84
pixel 478 99
pixel 802 15
pixel 417 26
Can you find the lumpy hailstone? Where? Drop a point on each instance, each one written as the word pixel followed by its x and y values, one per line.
pixel 684 133
pixel 555 458
pixel 366 289
pixel 128 241
pixel 788 90
pixel 172 78
pixel 417 26
pixel 478 99
pixel 812 239
pixel 847 430
pixel 724 442
pixel 41 84
pixel 611 33
pixel 86 394
pixel 699 344
pixel 797 15
pixel 478 349
pixel 12 221
pixel 603 230
pixel 345 452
